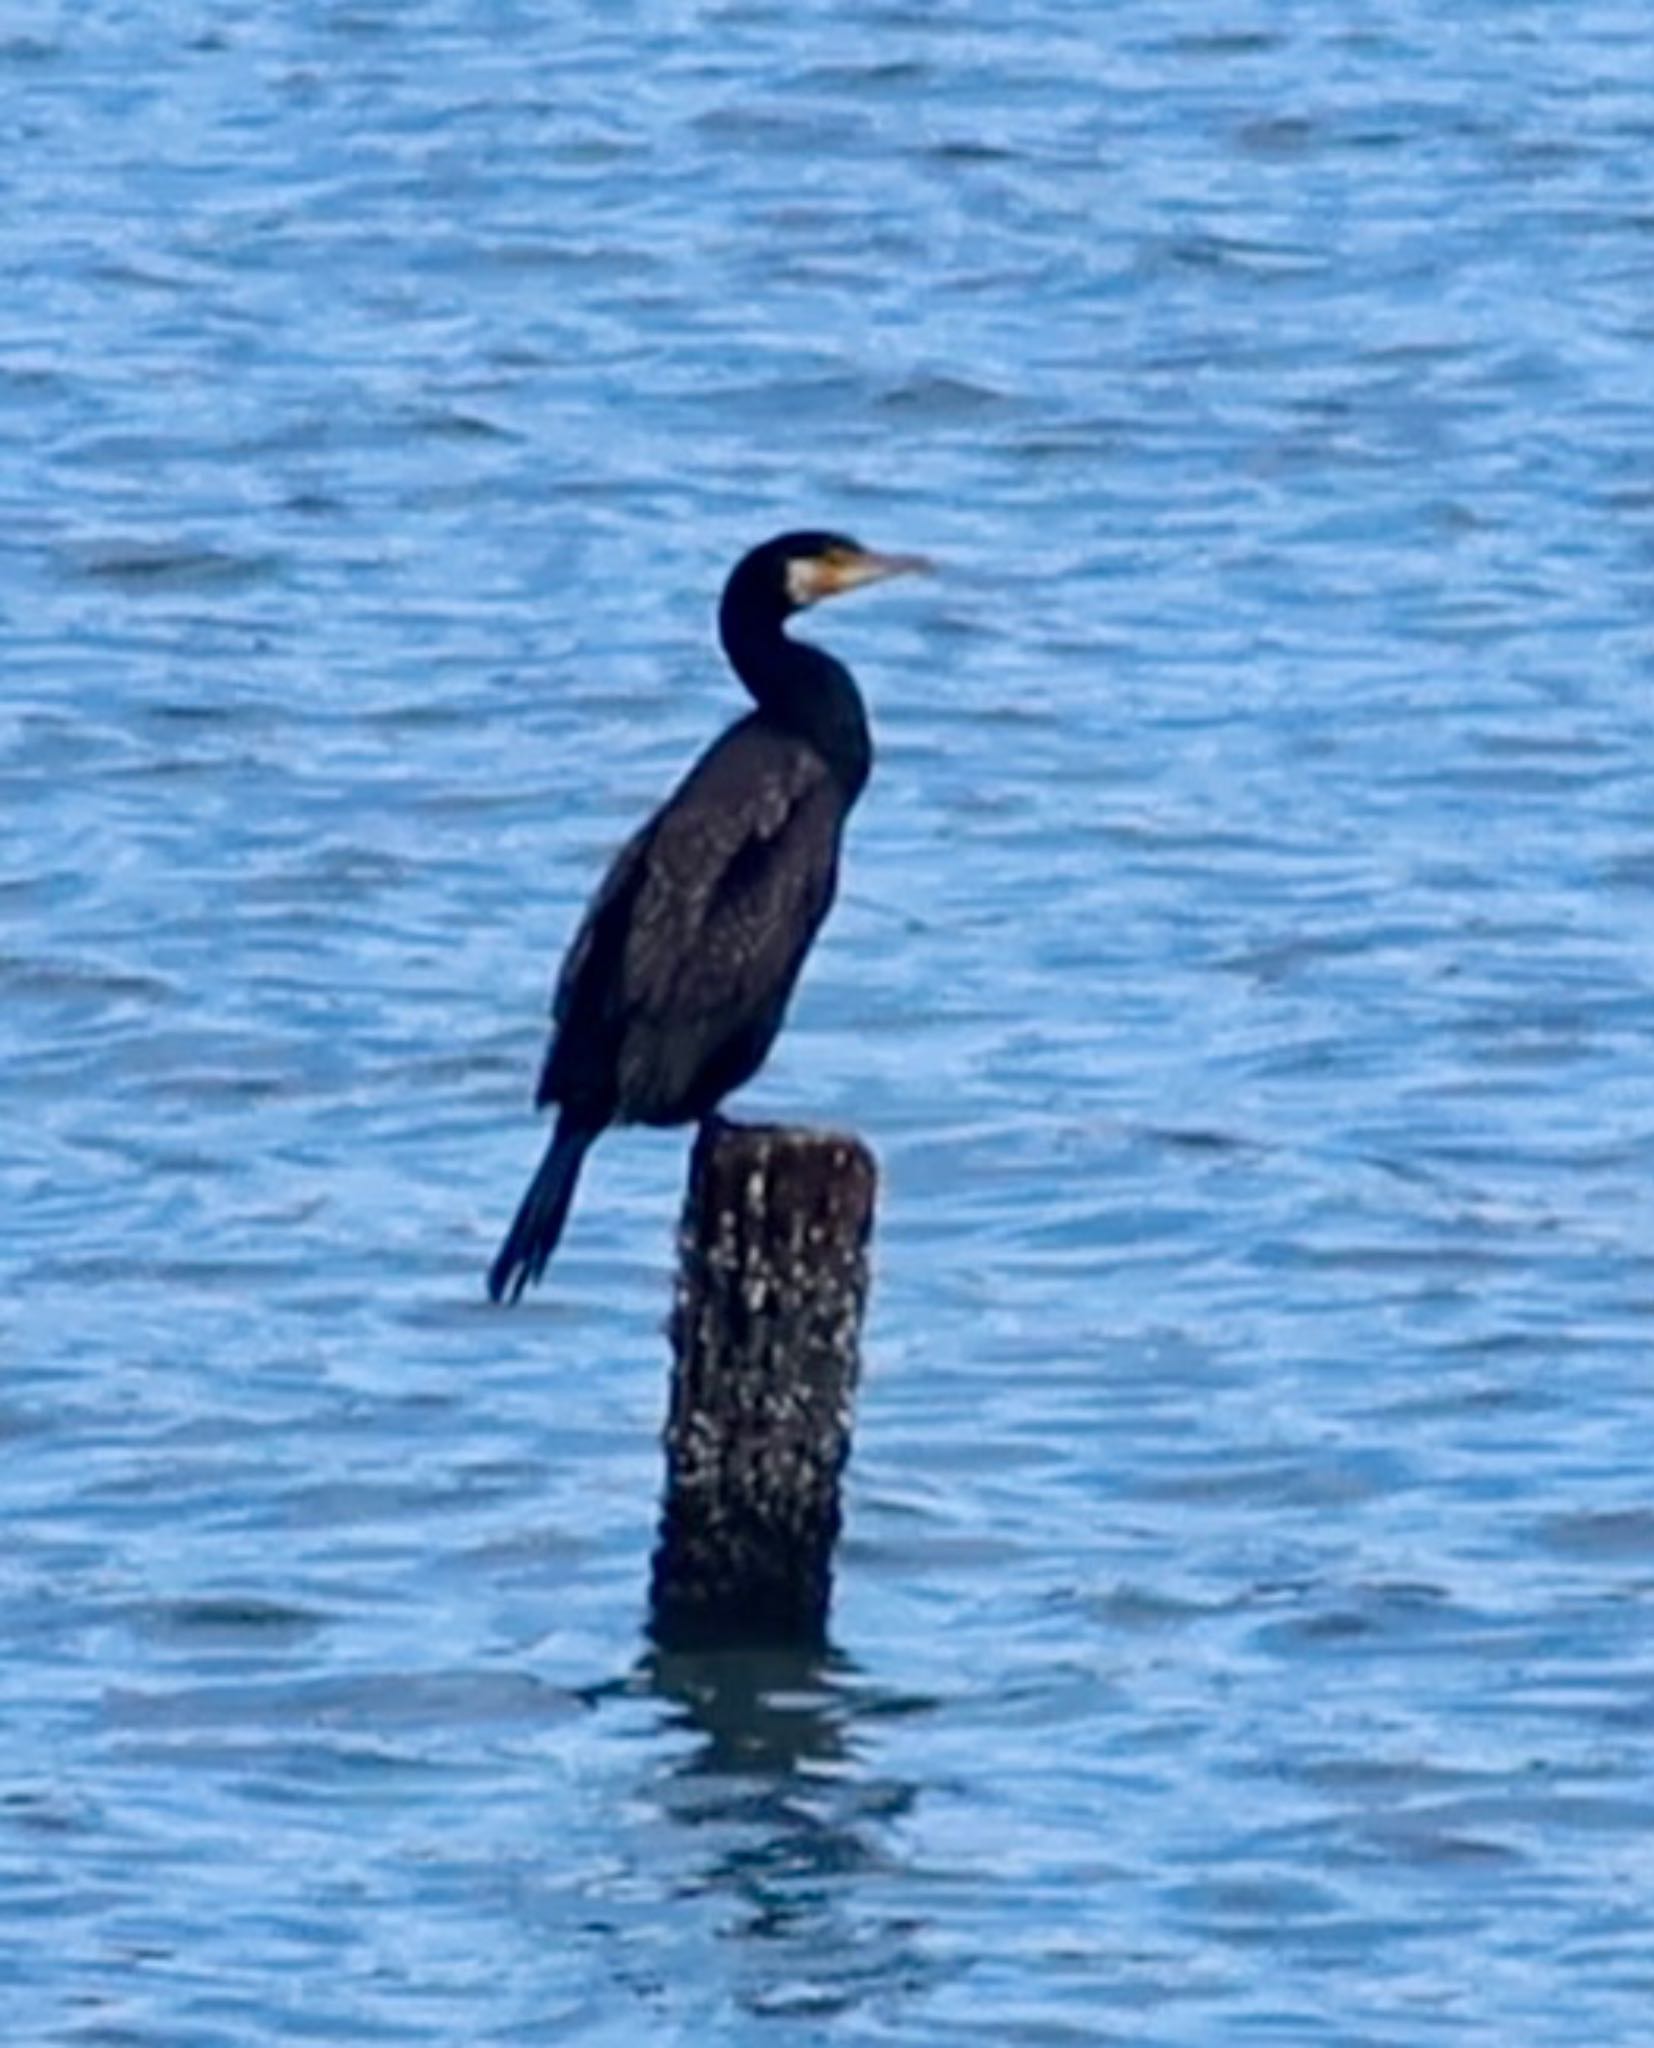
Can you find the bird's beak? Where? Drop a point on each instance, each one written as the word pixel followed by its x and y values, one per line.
pixel 852 571
pixel 832 575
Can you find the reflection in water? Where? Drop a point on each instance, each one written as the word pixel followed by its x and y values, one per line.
pixel 790 1829
pixel 776 1711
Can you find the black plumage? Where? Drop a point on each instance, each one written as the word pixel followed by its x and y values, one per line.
pixel 679 976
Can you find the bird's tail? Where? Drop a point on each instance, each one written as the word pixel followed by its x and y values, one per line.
pixel 540 1217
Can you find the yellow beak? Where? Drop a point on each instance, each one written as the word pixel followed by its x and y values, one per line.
pixel 810 580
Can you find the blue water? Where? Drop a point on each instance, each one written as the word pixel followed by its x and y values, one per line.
pixel 1244 970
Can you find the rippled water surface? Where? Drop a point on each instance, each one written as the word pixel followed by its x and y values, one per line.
pixel 1245 972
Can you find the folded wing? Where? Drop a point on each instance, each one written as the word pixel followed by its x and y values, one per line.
pixel 679 977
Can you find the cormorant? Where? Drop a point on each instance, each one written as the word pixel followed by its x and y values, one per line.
pixel 678 978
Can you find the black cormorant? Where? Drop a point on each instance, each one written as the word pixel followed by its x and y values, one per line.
pixel 679 976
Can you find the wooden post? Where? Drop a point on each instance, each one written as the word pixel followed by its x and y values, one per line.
pixel 772 1280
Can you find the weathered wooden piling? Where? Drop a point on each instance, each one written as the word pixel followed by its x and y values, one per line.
pixel 772 1281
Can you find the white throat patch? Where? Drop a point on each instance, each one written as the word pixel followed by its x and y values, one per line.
pixel 807 580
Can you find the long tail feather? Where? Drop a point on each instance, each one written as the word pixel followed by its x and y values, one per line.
pixel 540 1217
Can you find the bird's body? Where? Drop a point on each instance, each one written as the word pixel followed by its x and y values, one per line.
pixel 679 976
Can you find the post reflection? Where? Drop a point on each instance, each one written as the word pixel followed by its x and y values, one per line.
pixel 790 1822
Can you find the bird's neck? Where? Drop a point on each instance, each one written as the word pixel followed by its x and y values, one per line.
pixel 805 692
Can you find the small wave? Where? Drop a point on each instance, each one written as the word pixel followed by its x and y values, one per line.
pixel 156 565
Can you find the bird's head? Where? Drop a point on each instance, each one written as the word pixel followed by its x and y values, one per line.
pixel 796 570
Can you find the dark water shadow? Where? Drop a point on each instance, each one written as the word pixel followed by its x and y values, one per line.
pixel 780 1712
pixel 789 1820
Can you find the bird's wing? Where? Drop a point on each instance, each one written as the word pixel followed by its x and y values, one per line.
pixel 735 883
pixel 681 969
pixel 590 981
pixel 601 934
